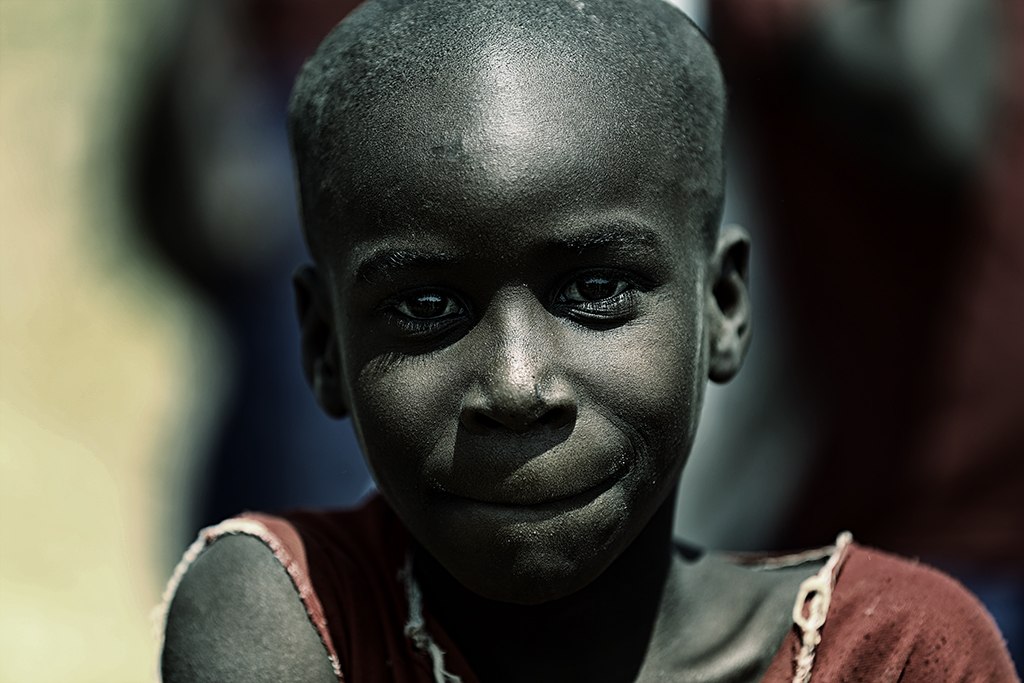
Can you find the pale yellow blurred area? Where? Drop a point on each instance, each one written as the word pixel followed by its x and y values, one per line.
pixel 108 374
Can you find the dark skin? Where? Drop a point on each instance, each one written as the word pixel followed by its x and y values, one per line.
pixel 520 315
pixel 525 369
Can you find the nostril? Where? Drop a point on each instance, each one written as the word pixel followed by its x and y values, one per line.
pixel 491 411
pixel 482 422
pixel 557 416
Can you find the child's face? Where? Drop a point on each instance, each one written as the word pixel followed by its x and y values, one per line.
pixel 522 334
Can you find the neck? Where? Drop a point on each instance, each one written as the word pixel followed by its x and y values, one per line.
pixel 600 632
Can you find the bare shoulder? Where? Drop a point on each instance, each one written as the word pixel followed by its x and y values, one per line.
pixel 928 625
pixel 237 616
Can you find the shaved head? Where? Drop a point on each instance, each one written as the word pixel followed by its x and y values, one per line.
pixel 467 96
pixel 513 206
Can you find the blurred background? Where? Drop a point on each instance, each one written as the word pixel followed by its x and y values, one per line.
pixel 149 377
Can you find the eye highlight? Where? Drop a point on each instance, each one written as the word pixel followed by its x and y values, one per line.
pixel 593 287
pixel 429 305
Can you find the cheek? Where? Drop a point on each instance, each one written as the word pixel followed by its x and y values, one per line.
pixel 405 409
pixel 648 377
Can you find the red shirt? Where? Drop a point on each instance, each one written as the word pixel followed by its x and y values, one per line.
pixel 889 619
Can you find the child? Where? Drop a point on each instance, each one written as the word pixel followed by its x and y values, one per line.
pixel 519 291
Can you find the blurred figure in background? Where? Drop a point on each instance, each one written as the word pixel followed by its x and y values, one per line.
pixel 215 197
pixel 888 135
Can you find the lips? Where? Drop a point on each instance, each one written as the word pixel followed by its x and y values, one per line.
pixel 521 499
pixel 520 472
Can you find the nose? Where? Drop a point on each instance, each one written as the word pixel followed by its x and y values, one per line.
pixel 521 382
pixel 518 409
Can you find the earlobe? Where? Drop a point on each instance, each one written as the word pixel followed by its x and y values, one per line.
pixel 728 305
pixel 321 360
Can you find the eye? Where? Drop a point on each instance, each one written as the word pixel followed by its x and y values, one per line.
pixel 593 287
pixel 601 298
pixel 430 305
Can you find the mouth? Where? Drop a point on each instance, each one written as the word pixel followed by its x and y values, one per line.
pixel 540 501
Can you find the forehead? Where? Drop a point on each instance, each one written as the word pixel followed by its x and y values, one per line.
pixel 489 144
pixel 507 113
pixel 518 147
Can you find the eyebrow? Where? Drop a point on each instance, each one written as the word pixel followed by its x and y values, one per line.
pixel 384 264
pixel 619 235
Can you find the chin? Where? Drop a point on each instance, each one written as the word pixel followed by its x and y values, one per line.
pixel 530 564
pixel 526 555
pixel 532 579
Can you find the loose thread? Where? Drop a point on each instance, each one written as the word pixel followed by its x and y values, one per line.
pixel 416 628
pixel 816 594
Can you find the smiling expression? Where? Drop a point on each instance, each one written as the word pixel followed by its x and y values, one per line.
pixel 517 315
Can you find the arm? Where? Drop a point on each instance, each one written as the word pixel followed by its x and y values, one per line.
pixel 237 617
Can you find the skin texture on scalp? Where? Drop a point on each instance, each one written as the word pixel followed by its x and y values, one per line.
pixel 649 64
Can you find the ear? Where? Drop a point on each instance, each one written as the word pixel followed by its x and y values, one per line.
pixel 728 304
pixel 321 362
